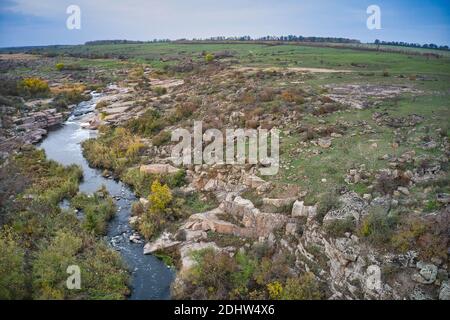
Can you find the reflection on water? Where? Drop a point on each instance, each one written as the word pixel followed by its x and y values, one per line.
pixel 151 278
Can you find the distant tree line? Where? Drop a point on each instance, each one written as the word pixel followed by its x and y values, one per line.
pixel 412 45
pixel 287 38
pixel 100 42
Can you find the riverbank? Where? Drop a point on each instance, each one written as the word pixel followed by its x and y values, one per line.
pixel 150 278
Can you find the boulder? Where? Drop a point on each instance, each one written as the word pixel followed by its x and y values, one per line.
pixel 163 242
pixel 291 228
pixel 278 203
pixel 300 210
pixel 253 181
pixel 324 143
pixel 444 293
pixel 158 169
pixel 427 273
pixel 351 205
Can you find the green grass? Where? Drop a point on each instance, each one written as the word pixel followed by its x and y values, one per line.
pixel 263 55
pixel 347 152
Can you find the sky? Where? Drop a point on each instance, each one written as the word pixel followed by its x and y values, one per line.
pixel 43 22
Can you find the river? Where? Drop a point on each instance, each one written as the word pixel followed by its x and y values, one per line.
pixel 151 278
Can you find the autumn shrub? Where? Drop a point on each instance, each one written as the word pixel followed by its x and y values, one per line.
pixel 160 197
pixel 267 94
pixel 159 91
pixel 101 105
pixel 291 95
pixel 427 235
pixel 161 138
pixel 113 150
pixel 34 87
pixel 305 287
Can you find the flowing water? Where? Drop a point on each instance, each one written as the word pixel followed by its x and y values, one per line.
pixel 151 278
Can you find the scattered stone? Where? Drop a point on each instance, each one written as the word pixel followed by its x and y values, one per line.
pixel 427 273
pixel 300 210
pixel 324 143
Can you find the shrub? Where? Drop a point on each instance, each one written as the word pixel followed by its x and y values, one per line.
pixel 160 197
pixel 100 105
pixel 59 66
pixel 327 202
pixel 292 96
pixel 387 183
pixel 267 94
pixel 378 226
pixel 161 138
pixel 302 288
pixel 147 124
pixel 34 87
pixel 49 268
pixel 209 57
pixel 337 228
pixel 159 91
pixel 275 290
pixel 69 97
pixel 98 210
pixel 12 279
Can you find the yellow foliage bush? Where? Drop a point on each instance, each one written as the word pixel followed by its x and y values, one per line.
pixel 160 197
pixel 34 86
pixel 275 290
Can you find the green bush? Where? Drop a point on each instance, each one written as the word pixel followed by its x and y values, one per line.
pixel 378 226
pixel 98 209
pixel 337 228
pixel 46 239
pixel 209 57
pixel 327 202
pixel 59 66
pixel 12 279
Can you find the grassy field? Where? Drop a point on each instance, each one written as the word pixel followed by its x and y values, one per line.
pixel 265 55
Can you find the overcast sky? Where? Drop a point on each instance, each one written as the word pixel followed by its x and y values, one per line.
pixel 43 22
